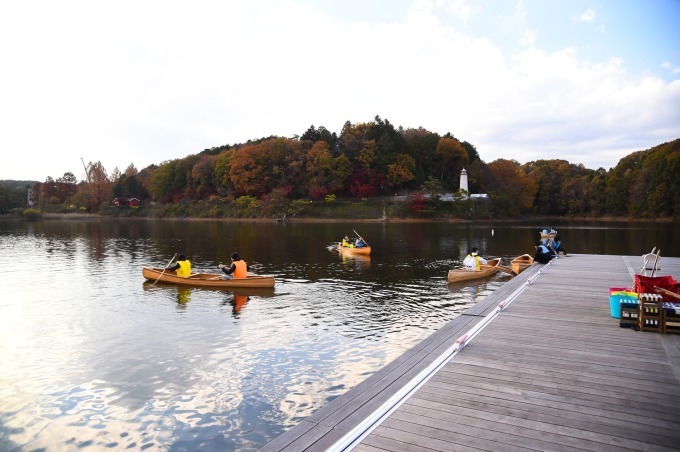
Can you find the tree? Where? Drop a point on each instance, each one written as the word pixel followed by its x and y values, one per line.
pixel 368 155
pixel 401 171
pixel 129 187
pixel 321 134
pixel 549 177
pixel 352 139
pixel 257 169
pixel 221 168
pixel 131 170
pixel 421 145
pixel 160 183
pixel 325 171
pixel 509 187
pixel 66 187
pixel 12 197
pixel 202 183
pixel 452 157
pixel 432 188
pixel 619 180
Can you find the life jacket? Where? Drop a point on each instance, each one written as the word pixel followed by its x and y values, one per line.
pixel 468 262
pixel 241 269
pixel 184 269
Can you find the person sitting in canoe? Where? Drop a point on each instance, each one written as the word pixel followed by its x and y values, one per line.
pixel 360 243
pixel 473 261
pixel 346 243
pixel 182 267
pixel 239 269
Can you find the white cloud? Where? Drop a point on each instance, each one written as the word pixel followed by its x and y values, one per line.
pixel 587 16
pixel 529 38
pixel 463 9
pixel 168 81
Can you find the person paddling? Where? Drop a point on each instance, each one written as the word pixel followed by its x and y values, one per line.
pixel 473 261
pixel 182 267
pixel 238 270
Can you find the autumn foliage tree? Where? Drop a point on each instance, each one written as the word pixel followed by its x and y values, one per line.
pixel 374 158
pixel 511 189
pixel 452 156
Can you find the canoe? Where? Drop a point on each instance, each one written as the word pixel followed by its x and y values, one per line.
pixel 362 250
pixel 463 274
pixel 550 235
pixel 521 263
pixel 213 280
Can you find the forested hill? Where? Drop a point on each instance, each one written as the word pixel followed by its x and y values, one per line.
pixel 374 160
pixel 12 184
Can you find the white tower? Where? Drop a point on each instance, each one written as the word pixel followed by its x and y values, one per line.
pixel 463 181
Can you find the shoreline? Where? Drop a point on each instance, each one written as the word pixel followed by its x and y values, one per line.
pixel 541 219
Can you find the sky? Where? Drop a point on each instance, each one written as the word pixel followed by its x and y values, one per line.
pixel 143 82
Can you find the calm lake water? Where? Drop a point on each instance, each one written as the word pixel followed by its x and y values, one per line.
pixel 95 358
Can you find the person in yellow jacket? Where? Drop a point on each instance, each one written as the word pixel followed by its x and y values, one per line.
pixel 473 261
pixel 182 267
pixel 238 269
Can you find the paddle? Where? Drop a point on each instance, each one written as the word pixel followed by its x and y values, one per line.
pixel 166 267
pixel 362 239
pixel 504 269
pixel 667 292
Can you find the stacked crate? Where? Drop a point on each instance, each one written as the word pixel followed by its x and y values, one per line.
pixel 651 312
pixel 630 313
pixel 671 318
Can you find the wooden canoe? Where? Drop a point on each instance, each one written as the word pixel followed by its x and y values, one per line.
pixel 550 235
pixel 213 280
pixel 521 263
pixel 463 274
pixel 362 250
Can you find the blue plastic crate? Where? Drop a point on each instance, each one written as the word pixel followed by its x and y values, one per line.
pixel 615 303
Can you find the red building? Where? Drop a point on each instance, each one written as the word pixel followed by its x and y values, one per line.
pixel 123 201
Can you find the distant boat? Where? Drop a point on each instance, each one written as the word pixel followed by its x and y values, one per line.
pixel 521 263
pixel 548 235
pixel 464 274
pixel 364 250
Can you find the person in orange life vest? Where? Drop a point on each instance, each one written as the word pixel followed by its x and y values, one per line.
pixel 182 267
pixel 238 269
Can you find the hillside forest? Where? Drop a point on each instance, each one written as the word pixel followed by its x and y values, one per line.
pixel 366 165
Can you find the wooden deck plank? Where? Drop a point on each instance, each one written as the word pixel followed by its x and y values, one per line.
pixel 553 371
pixel 539 395
pixel 495 407
pixel 534 434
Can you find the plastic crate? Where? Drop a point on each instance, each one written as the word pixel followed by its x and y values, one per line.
pixel 618 295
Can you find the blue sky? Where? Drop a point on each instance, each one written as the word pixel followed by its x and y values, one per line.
pixel 145 82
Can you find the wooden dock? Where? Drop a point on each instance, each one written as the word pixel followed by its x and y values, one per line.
pixel 551 371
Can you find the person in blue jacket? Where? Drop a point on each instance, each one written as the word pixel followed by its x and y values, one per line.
pixel 557 246
pixel 543 254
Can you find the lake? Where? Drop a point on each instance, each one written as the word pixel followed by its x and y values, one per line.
pixel 93 357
